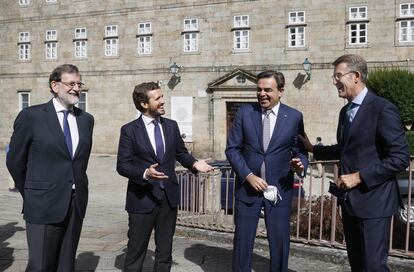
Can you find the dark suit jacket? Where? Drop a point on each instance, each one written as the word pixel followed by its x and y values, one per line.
pixel 246 155
pixel 376 146
pixel 41 166
pixel 135 154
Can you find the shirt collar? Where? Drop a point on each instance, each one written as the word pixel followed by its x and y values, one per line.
pixel 274 110
pixel 148 120
pixel 59 107
pixel 360 97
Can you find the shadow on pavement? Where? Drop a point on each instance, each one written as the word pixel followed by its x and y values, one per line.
pixel 6 253
pixel 213 259
pixel 148 262
pixel 87 261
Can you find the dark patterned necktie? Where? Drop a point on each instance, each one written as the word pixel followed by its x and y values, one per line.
pixel 66 132
pixel 159 144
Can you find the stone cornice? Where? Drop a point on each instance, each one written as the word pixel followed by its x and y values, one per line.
pixel 118 12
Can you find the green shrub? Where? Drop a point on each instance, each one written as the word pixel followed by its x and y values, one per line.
pixel 410 140
pixel 397 86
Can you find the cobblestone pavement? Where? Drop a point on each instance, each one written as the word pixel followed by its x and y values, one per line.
pixel 103 239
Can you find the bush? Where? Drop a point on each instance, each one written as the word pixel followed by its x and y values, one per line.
pixel 397 86
pixel 410 140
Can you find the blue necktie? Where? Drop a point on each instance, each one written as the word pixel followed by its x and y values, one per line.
pixel 159 145
pixel 66 132
pixel 349 117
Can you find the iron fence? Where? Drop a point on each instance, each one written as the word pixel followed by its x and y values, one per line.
pixel 207 201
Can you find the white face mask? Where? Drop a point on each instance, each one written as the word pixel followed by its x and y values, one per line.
pixel 272 194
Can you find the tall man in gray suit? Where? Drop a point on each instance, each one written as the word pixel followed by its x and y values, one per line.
pixel 48 157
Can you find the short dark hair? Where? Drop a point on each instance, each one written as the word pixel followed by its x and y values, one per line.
pixel 355 63
pixel 319 139
pixel 140 94
pixel 56 74
pixel 278 76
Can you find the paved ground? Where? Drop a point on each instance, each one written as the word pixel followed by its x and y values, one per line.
pixel 103 239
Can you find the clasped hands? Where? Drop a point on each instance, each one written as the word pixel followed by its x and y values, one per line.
pixel 200 165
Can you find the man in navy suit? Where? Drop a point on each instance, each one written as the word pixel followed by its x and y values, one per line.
pixel 372 149
pixel 147 152
pixel 48 158
pixel 263 148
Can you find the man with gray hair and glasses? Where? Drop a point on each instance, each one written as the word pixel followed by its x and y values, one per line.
pixel 49 153
pixel 372 149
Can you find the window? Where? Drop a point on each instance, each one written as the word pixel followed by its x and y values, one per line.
pixel 190 35
pixel 406 23
pixel 241 31
pixel 24 2
pixel 111 41
pixel 296 29
pixel 80 43
pixel 80 33
pixel 111 31
pixel 51 44
pixel 407 9
pixel 83 101
pixel 51 35
pixel 144 38
pixel 24 99
pixel 358 25
pixel 24 46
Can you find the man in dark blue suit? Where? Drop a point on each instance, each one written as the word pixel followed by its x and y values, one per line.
pixel 48 158
pixel 372 149
pixel 263 148
pixel 148 150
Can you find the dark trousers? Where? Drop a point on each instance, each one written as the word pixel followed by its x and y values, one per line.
pixel 162 219
pixel 278 235
pixel 52 247
pixel 367 242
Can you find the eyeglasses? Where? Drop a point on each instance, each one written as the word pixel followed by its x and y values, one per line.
pixel 338 77
pixel 72 84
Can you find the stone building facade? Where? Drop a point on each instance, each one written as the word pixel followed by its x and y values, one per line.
pixel 219 45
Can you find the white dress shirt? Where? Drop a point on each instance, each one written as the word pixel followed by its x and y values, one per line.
pixel 272 116
pixel 73 126
pixel 149 125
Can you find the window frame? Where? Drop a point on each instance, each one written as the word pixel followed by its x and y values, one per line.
pixel 25 4
pixel 20 99
pixel 24 45
pixel 85 94
pixel 241 33
pixel 360 19
pixel 144 38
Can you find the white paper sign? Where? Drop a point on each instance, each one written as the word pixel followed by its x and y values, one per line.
pixel 182 112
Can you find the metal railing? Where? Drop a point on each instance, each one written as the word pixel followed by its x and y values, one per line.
pixel 207 201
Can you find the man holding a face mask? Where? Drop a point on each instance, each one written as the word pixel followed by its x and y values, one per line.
pixel 264 151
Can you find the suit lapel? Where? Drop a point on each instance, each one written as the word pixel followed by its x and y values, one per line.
pixel 143 137
pixel 258 123
pixel 280 124
pixel 167 131
pixel 55 128
pixel 363 109
pixel 83 130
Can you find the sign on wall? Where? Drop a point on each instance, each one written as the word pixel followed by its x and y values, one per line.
pixel 182 112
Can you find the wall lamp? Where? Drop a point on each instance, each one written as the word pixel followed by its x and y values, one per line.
pixel 174 69
pixel 307 67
